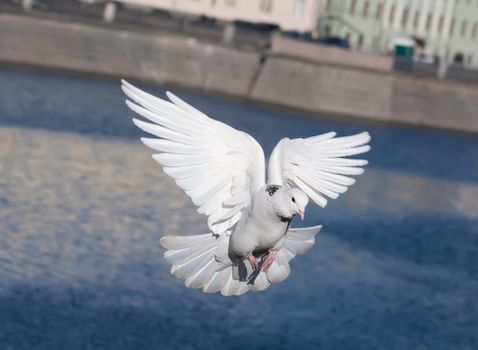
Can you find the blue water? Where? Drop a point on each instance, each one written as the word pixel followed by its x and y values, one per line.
pixel 82 208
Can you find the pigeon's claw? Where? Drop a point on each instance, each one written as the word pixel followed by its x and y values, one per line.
pixel 252 259
pixel 269 260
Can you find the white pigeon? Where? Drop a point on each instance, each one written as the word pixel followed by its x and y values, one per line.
pixel 223 171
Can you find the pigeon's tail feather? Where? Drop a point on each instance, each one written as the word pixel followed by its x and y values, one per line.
pixel 203 262
pixel 200 261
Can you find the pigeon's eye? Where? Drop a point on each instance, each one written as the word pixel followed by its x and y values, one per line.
pixel 293 199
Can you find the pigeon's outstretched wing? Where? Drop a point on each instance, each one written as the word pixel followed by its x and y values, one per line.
pixel 298 241
pixel 318 165
pixel 217 166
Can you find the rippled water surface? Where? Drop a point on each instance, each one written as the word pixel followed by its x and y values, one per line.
pixel 82 208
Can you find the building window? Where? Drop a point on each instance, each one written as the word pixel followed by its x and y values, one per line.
pixel 353 3
pixel 416 19
pixel 360 41
pixel 379 10
pixel 464 28
pixel 440 24
pixel 405 16
pixel 230 3
pixel 429 21
pixel 299 9
pixel 458 58
pixel 392 13
pixel 365 9
pixel 452 26
pixel 266 6
pixel 474 30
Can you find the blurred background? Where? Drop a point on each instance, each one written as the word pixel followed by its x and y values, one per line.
pixel 83 206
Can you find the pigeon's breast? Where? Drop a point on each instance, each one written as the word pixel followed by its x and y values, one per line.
pixel 273 234
pixel 258 236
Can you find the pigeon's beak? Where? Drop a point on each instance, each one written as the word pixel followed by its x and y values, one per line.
pixel 301 214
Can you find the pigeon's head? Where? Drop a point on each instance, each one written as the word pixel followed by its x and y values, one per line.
pixel 294 202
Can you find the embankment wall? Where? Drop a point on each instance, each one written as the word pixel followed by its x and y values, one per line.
pixel 277 79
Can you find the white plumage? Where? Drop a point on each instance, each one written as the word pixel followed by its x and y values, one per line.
pixel 222 170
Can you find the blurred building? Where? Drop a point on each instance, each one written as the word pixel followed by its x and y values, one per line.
pixel 447 28
pixel 289 15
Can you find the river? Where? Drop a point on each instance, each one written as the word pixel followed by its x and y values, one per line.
pixel 83 206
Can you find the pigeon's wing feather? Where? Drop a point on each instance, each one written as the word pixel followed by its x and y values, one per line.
pixel 318 165
pixel 298 241
pixel 217 166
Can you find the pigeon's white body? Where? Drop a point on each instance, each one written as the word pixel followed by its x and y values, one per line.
pixel 262 229
pixel 223 171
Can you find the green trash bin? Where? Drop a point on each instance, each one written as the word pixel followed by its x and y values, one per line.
pixel 403 56
pixel 404 51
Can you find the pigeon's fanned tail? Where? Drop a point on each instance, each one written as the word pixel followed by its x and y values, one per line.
pixel 195 259
pixel 202 261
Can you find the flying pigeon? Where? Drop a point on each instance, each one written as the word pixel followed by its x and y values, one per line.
pixel 223 171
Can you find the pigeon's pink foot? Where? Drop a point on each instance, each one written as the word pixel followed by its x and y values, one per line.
pixel 269 260
pixel 252 259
